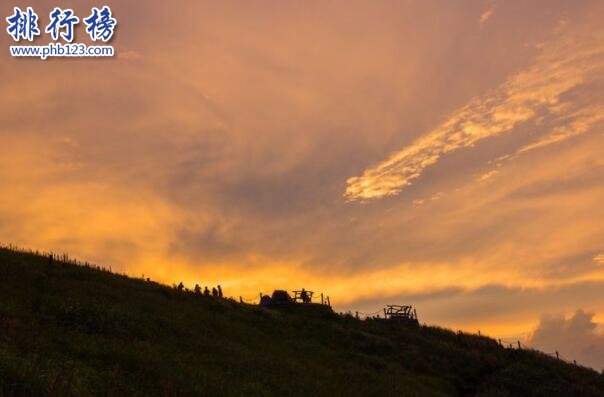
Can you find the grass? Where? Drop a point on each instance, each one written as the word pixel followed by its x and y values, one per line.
pixel 74 330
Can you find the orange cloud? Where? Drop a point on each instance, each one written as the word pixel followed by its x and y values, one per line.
pixel 563 65
pixel 573 338
pixel 485 16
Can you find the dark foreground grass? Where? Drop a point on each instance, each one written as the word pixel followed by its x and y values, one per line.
pixel 70 330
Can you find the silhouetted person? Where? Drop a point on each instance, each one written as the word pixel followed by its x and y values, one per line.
pixel 180 286
pixel 206 291
pixel 304 296
pixel 219 291
pixel 197 289
pixel 214 292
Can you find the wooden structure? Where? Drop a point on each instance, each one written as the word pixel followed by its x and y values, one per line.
pixel 401 314
pixel 303 296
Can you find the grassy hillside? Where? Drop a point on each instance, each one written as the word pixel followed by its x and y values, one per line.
pixel 70 330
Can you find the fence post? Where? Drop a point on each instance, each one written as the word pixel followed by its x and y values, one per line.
pixel 519 347
pixel 557 355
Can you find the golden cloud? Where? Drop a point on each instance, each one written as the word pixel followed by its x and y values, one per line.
pixel 564 64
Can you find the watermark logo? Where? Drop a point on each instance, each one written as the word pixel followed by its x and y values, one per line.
pixel 23 26
pixel 100 24
pixel 62 20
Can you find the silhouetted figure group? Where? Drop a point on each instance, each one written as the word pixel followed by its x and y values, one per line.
pixel 216 291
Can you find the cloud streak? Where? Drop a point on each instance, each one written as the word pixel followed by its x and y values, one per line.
pixel 485 16
pixel 535 94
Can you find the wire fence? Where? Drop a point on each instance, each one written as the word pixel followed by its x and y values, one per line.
pixel 517 344
pixel 53 256
pixel 364 315
pixel 250 301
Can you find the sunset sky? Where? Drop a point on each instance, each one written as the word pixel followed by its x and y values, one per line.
pixel 448 155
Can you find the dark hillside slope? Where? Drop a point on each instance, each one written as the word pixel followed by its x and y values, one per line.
pixel 71 330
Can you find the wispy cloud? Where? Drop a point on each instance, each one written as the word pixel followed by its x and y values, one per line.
pixel 578 123
pixel 533 94
pixel 485 16
pixel 487 175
